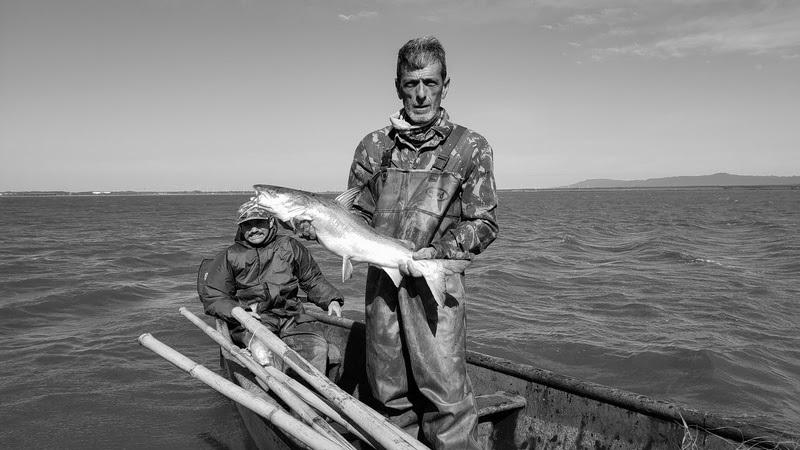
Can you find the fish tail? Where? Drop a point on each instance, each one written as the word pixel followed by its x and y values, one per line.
pixel 435 272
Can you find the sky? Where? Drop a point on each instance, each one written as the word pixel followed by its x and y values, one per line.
pixel 164 95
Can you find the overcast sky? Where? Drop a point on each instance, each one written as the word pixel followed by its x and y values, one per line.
pixel 223 94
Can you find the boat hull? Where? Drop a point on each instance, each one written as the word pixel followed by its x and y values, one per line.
pixel 553 411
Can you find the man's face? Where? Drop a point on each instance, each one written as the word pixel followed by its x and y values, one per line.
pixel 422 91
pixel 255 231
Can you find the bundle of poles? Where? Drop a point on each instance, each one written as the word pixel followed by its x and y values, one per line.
pixel 312 428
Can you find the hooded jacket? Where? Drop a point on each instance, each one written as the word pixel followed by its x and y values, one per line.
pixel 270 275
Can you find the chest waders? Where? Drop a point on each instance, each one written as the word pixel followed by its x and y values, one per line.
pixel 416 351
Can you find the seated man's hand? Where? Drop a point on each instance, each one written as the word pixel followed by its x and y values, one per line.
pixel 305 230
pixel 260 352
pixel 334 308
pixel 408 268
pixel 253 311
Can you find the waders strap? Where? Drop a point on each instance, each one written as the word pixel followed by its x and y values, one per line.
pixel 449 148
pixel 386 161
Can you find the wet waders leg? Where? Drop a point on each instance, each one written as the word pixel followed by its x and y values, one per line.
pixel 436 341
pixel 386 367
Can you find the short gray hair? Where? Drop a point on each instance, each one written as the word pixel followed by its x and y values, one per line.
pixel 420 52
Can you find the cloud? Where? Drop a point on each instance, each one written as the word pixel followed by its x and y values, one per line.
pixel 767 27
pixel 641 28
pixel 583 19
pixel 781 39
pixel 605 16
pixel 361 15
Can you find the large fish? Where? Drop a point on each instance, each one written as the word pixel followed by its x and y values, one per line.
pixel 348 236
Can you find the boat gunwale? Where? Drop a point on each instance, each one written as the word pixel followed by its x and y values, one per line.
pixel 749 433
pixel 735 430
pixel 740 432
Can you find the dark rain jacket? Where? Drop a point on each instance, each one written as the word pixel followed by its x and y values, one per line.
pixel 269 275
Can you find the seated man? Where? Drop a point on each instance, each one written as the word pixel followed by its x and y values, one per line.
pixel 261 272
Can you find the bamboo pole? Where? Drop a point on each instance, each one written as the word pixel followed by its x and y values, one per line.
pixel 372 423
pixel 340 322
pixel 310 397
pixel 320 405
pixel 275 415
pixel 313 400
pixel 279 388
pixel 336 417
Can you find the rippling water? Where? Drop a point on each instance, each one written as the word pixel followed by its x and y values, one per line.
pixel 686 295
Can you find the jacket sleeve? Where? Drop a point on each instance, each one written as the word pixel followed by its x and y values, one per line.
pixel 220 293
pixel 478 227
pixel 362 171
pixel 319 290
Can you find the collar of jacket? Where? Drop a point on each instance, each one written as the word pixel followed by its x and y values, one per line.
pixel 418 138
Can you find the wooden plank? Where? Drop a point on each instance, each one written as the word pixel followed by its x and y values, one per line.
pixel 498 402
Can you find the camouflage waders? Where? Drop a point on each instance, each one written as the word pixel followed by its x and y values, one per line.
pixel 414 347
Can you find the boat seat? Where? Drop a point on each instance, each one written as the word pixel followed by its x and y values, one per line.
pixel 500 401
pixel 488 405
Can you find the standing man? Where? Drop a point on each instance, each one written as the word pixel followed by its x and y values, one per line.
pixel 431 182
pixel 262 272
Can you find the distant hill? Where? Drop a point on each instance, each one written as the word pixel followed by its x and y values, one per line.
pixel 718 179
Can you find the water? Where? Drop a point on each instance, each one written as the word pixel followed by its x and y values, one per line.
pixel 685 295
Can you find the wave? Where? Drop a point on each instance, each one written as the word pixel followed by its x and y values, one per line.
pixel 676 294
pixel 66 304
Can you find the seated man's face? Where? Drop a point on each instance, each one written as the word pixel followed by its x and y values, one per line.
pixel 256 231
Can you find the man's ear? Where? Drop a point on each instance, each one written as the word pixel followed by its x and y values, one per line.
pixel 397 88
pixel 445 87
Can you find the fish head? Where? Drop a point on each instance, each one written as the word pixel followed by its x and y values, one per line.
pixel 284 203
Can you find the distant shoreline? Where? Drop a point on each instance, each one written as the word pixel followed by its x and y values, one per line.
pixel 565 189
pixel 116 193
pixel 660 188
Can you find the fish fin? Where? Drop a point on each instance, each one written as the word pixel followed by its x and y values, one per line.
pixel 394 274
pixel 347 268
pixel 435 270
pixel 347 197
pixel 452 266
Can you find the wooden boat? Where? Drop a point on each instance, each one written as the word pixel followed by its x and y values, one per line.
pixel 523 407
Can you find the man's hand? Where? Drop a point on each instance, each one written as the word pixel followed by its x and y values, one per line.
pixel 305 230
pixel 334 308
pixel 252 311
pixel 260 352
pixel 408 268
